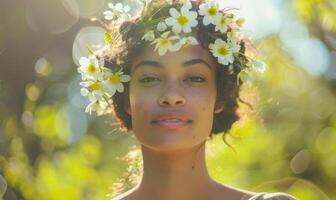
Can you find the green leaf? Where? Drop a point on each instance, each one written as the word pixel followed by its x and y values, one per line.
pixel 116 68
pixel 108 38
pixel 90 50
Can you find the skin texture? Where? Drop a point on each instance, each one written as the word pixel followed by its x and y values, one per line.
pixel 174 160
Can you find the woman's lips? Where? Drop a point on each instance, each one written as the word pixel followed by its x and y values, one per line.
pixel 171 123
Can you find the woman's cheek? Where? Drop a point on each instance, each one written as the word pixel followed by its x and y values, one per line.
pixel 142 103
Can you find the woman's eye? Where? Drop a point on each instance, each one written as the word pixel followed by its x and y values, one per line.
pixel 148 79
pixel 197 79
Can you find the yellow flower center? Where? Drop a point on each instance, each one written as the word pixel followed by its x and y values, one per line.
pixel 212 11
pixel 114 79
pixel 164 42
pixel 95 86
pixel 91 68
pixel 231 35
pixel 223 51
pixel 223 21
pixel 240 22
pixel 182 20
pixel 186 44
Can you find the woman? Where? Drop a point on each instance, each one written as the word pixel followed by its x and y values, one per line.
pixel 181 92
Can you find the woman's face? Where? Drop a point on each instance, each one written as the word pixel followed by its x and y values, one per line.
pixel 172 98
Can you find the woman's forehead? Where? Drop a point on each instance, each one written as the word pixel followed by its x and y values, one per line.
pixel 185 54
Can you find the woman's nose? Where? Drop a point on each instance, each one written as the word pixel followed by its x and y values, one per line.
pixel 172 97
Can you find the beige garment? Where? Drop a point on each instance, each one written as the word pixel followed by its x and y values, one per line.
pixel 257 196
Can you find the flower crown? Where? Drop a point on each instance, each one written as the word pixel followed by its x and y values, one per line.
pixel 101 83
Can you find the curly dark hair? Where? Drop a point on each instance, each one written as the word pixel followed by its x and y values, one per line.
pixel 131 45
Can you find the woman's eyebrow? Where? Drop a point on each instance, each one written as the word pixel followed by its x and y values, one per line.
pixel 197 61
pixel 186 63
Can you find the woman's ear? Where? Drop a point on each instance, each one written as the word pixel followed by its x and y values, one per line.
pixel 219 107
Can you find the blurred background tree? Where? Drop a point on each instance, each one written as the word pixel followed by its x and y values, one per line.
pixel 51 149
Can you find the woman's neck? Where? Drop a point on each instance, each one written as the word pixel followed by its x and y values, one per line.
pixel 175 175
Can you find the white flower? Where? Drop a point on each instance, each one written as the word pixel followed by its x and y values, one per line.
pixel 164 43
pixel 95 96
pixel 90 67
pixel 210 11
pixel 149 36
pixel 114 82
pixel 85 92
pixel 119 8
pixel 223 51
pixel 240 22
pixel 231 36
pixel 222 24
pixel 234 47
pixel 97 106
pixel 118 12
pixel 93 90
pixel 183 20
pixel 186 41
pixel 244 75
pixel 257 66
pixel 98 92
pixel 183 43
pixel 161 27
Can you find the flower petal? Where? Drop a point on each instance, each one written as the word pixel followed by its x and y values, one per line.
pixel 259 66
pixel 120 87
pixel 193 14
pixel 193 40
pixel 177 28
pixel 110 5
pixel 206 20
pixel 170 21
pixel 175 47
pixel 162 51
pixel 174 13
pixel 161 27
pixel 83 61
pixel 222 60
pixel 185 10
pixel 193 23
pixel 127 8
pixel 111 90
pixel 125 78
pixel 186 29
pixel 118 7
pixel 84 92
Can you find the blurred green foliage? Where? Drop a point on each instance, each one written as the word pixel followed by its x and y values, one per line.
pixel 318 12
pixel 288 144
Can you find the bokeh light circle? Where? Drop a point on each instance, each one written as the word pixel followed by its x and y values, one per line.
pixel 84 8
pixel 50 16
pixel 89 37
